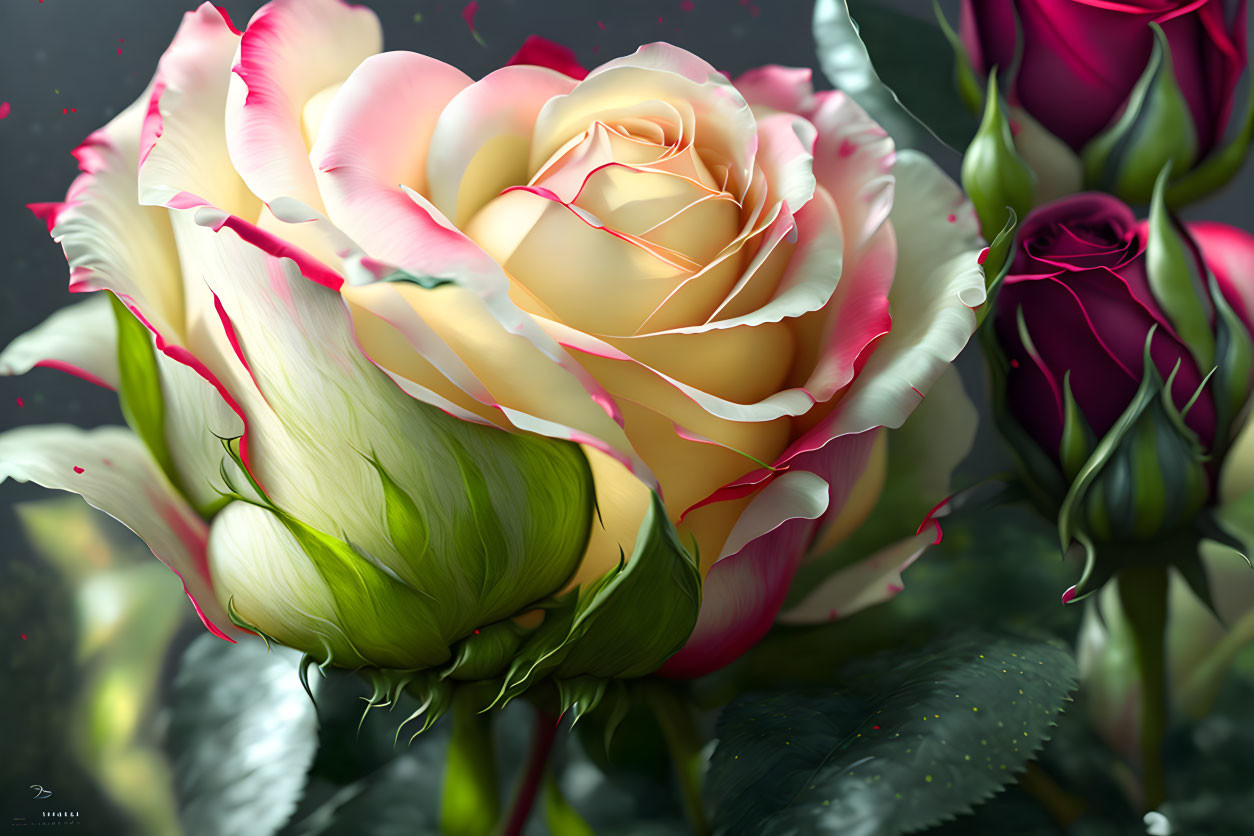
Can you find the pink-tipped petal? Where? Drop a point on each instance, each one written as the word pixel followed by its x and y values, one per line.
pixel 111 469
pixel 291 50
pixel 786 89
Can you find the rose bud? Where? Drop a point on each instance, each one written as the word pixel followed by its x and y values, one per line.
pixel 548 375
pixel 1122 360
pixel 1108 93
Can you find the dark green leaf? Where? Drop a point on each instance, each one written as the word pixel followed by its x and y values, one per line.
pixel 242 736
pixel 917 739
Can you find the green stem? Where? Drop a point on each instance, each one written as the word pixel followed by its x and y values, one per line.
pixel 533 773
pixel 1143 594
pixel 679 727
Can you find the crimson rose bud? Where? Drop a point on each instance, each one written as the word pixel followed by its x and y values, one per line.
pixel 1122 449
pixel 1123 96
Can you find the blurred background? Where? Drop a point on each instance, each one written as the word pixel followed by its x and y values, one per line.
pixel 90 623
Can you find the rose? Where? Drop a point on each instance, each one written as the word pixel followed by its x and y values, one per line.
pixel 405 294
pixel 1073 69
pixel 1089 295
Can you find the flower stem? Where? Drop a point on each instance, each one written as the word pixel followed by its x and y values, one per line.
pixel 674 715
pixel 1143 594
pixel 532 777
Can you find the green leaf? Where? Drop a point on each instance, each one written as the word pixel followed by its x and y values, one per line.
pixel 878 56
pixel 993 173
pixel 597 630
pixel 1154 130
pixel 242 736
pixel 1176 278
pixel 143 403
pixel 915 740
pixel 1218 167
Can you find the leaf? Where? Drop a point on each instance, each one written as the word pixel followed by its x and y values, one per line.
pixel 915 740
pixel 242 736
pixel 886 61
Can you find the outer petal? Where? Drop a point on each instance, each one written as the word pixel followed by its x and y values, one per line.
pixel 745 588
pixel 1229 253
pixel 111 469
pixel 291 50
pixel 787 89
pixel 937 285
pixel 183 156
pixel 872 551
pixel 80 339
pixel 110 241
pixel 865 583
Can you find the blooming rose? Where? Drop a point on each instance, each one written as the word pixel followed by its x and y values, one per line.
pixel 440 316
pixel 1075 64
pixel 1087 287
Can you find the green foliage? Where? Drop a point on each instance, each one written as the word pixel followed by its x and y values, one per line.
pixel 913 740
pixel 242 735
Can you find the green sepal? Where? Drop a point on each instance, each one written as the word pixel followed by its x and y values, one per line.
pixel 1218 167
pixel 1176 279
pixel 1233 371
pixel 1078 439
pixel 598 630
pixel 580 696
pixel 380 620
pixel 997 263
pixel 994 175
pixel 435 697
pixel 139 389
pixel 1155 129
pixel 486 652
pixel 965 79
pixel 1071 512
pixel 471 803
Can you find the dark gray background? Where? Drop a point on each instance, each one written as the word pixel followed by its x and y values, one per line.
pixel 60 54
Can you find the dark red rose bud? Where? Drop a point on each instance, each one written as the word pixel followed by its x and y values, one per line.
pixel 1128 86
pixel 1122 365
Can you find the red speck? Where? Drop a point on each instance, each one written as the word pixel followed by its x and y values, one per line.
pixel 659 20
pixel 468 13
pixel 601 25
pixel 24 635
pixel 983 256
pixel 73 110
pixel 1068 596
pixel 687 6
pixel 875 728
pixel 77 469
pixel 4 109
pixel 952 218
pixel 21 402
pixel 744 2
pixel 595 50
pixel 65 110
pixel 107 462
pixel 755 10
pixel 476 632
pixel 1014 364
pixel 847 148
